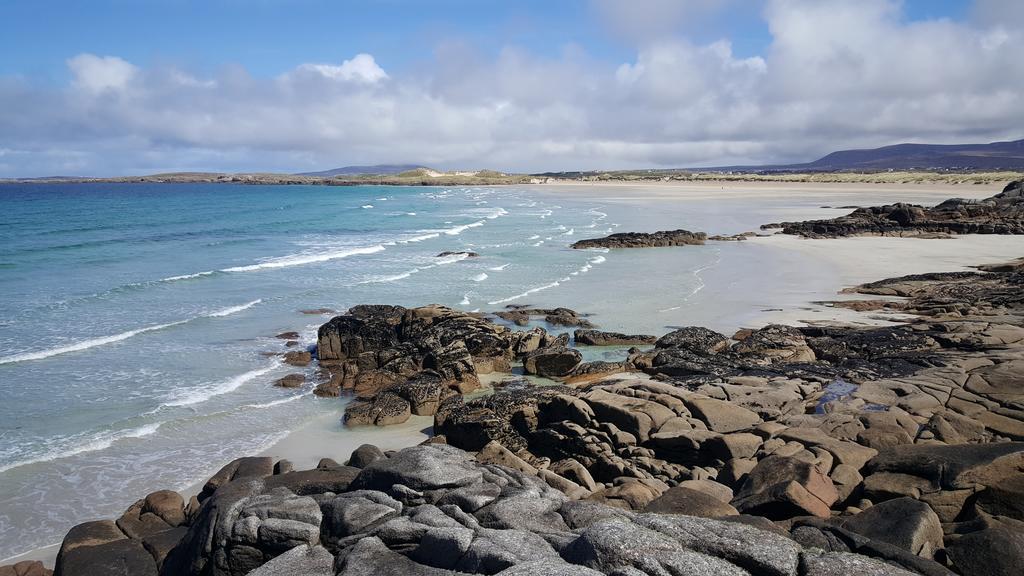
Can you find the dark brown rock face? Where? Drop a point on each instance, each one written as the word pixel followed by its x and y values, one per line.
pixel 999 214
pixel 645 240
pixel 373 347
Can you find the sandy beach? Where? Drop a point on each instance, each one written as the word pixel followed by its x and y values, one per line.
pixel 856 193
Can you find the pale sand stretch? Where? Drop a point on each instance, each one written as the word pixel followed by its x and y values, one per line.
pixel 844 193
pixel 850 261
pixel 867 259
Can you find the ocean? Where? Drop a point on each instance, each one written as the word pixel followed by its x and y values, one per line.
pixel 135 318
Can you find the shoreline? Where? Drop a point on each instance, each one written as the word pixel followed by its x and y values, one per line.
pixel 763 427
pixel 860 260
pixel 672 177
pixel 857 260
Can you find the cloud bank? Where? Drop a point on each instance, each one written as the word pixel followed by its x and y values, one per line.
pixel 838 73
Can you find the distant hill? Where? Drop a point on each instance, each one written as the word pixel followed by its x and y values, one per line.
pixel 386 169
pixel 994 156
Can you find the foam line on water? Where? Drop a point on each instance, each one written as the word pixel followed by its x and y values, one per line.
pixel 302 259
pixel 234 309
pixel 273 403
pixel 591 262
pixel 194 397
pixel 451 259
pixel 99 441
pixel 456 230
pixel 188 276
pixel 103 340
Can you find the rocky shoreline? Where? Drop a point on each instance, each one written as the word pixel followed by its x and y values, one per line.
pixel 1002 213
pixel 785 451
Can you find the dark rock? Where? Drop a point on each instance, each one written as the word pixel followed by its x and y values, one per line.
pixel 695 339
pixel 462 253
pixel 598 338
pixel 370 557
pixel 117 558
pixel 365 455
pixel 845 564
pixel 780 487
pixel 989 552
pixel 678 500
pixel 999 214
pixel 288 336
pixel 298 358
pixel 631 549
pixel 25 568
pixel 301 560
pixel 430 467
pixel 291 381
pixel 552 361
pixel 385 409
pixel 904 522
pixel 317 311
pixel 952 467
pixel 645 240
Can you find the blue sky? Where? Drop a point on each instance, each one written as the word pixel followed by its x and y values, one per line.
pixel 528 85
pixel 269 37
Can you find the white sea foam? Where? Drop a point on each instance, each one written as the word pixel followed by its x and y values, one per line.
pixel 465 300
pixel 525 294
pixel 480 277
pixel 275 402
pixel 308 258
pixel 499 212
pixel 234 309
pixel 367 206
pixel 86 344
pixel 451 259
pixel 99 441
pixel 499 268
pixel 94 342
pixel 591 262
pixel 188 276
pixel 394 278
pixel 198 396
pixel 410 213
pixel 534 237
pixel 569 232
pixel 455 231
pixel 421 237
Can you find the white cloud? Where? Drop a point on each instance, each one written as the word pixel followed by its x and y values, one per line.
pixel 95 74
pixel 361 68
pixel 838 74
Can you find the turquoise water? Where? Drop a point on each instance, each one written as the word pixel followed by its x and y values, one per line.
pixel 135 319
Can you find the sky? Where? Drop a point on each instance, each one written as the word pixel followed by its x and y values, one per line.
pixel 121 87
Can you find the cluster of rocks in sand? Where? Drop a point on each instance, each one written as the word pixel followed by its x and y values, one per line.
pixel 999 214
